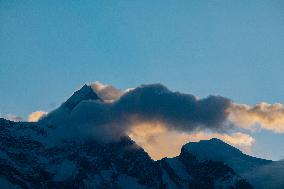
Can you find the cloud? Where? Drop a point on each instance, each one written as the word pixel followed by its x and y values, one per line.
pixel 35 116
pixel 263 115
pixel 159 142
pixel 176 110
pixel 106 92
pixel 119 110
pixel 12 117
pixel 147 103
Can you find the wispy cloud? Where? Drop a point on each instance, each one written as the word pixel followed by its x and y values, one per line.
pixel 11 117
pixel 262 116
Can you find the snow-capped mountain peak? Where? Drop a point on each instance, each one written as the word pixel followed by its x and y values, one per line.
pixel 85 93
pixel 212 149
pixel 217 150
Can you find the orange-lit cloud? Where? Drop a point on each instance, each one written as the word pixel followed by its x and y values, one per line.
pixel 161 142
pixel 266 116
pixel 35 116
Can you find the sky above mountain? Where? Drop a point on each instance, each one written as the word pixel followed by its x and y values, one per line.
pixel 228 48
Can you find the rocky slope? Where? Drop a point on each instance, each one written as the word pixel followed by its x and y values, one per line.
pixel 27 163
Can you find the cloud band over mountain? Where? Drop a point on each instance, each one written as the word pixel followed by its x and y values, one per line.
pixel 147 103
pixel 105 113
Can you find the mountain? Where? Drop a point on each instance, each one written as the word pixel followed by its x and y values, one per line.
pixel 217 150
pixel 261 173
pixel 186 171
pixel 27 162
pixel 85 93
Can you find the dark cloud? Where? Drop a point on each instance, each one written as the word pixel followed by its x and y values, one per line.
pixel 177 111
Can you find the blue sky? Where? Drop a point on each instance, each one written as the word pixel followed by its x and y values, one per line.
pixel 230 48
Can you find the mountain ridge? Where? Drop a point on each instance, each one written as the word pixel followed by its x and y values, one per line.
pixel 26 162
pixel 217 150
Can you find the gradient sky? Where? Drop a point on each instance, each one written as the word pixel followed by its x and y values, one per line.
pixel 230 48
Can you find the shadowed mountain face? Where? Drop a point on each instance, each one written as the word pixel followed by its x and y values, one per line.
pixel 260 173
pixel 85 93
pixel 217 150
pixel 27 161
pixel 186 171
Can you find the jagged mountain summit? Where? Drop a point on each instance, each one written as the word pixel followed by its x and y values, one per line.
pixel 63 150
pixel 85 93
